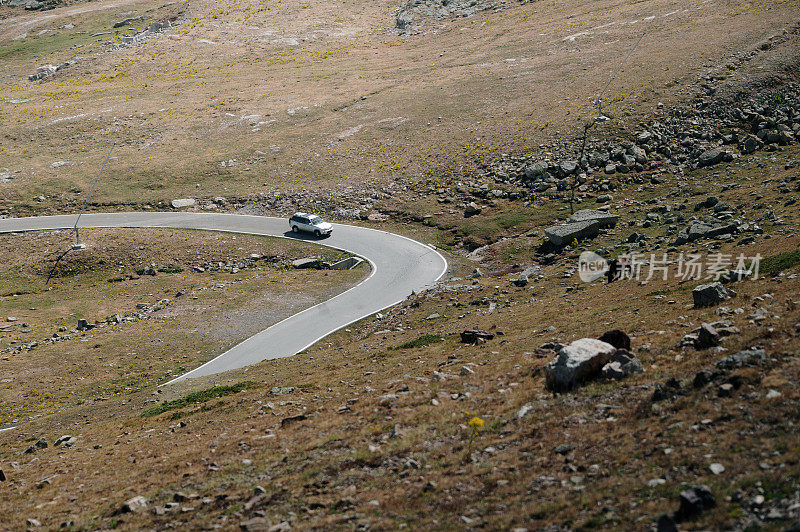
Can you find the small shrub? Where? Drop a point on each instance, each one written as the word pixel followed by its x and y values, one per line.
pixel 198 397
pixel 780 262
pixel 422 341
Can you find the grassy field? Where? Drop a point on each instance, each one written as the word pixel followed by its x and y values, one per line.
pixel 149 327
pixel 303 95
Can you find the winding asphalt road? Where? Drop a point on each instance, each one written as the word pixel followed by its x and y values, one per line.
pixel 400 266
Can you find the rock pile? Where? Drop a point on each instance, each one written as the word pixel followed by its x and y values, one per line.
pixel 32 5
pixel 48 70
pixel 709 131
pixel 411 17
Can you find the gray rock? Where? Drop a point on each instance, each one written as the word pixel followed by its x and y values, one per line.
pixel 536 171
pixel 707 337
pixel 526 274
pixel 156 27
pixel 666 523
pixel 471 209
pixel 181 203
pixel 136 504
pixel 644 137
pixel 580 361
pixel 639 155
pixel 709 294
pixel 622 364
pixel 561 235
pixel 568 167
pixel 605 219
pixel 617 338
pixel 126 21
pixel 694 501
pixel 564 448
pixel 282 390
pixel 747 357
pixel 604 198
pixel 749 144
pixel 311 262
pixel 713 156
pixel 66 441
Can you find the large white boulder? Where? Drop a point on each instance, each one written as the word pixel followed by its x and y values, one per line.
pixel 577 363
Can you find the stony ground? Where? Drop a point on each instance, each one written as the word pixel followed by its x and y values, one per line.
pixel 407 419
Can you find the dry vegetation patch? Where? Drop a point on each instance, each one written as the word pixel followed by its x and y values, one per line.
pixel 158 303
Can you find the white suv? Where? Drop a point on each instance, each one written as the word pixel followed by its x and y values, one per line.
pixel 311 223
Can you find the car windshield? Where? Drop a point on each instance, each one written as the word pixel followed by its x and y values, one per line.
pixel 316 220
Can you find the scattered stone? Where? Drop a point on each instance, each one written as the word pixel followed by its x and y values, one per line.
pixel 136 504
pixel 725 390
pixel 377 217
pixel 707 337
pixel 126 21
pixel 617 338
pixel 181 203
pixel 694 501
pixel 622 364
pixel 525 275
pixel 562 235
pixel 604 219
pixel 747 357
pixel 577 363
pixel 32 522
pixel 471 209
pixel 256 524
pixel 714 156
pixel 716 468
pixel 473 336
pixel 749 144
pixel 564 449
pixel 66 441
pixel 702 378
pixel 710 294
pixel 666 523
pixel 771 394
pixel 282 390
pixel 311 262
pixel 524 410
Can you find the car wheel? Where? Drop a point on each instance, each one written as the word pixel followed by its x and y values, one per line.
pixel 295 229
pixel 317 233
